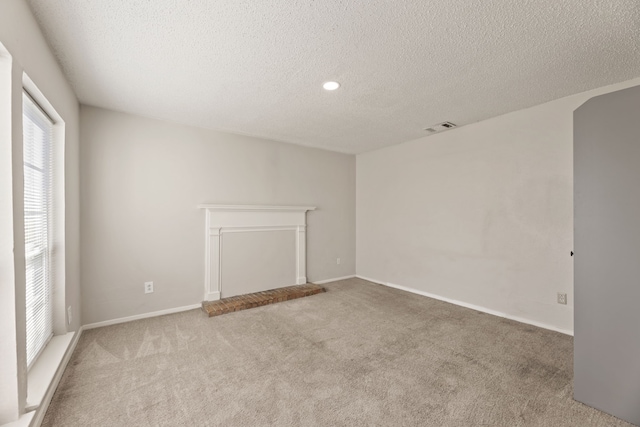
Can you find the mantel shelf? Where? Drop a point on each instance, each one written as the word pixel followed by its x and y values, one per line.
pixel 214 207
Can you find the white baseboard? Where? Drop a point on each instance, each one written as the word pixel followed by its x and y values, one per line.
pixel 369 279
pixel 41 411
pixel 335 279
pixel 141 316
pixel 471 306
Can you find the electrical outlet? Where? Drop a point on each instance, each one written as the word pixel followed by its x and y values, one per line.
pixel 148 287
pixel 562 298
pixel 69 317
pixel 338 261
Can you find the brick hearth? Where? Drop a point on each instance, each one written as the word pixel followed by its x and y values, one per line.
pixel 258 299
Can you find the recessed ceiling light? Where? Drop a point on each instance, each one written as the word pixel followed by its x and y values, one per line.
pixel 331 85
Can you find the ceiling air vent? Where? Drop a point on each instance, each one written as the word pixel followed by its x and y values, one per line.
pixel 440 127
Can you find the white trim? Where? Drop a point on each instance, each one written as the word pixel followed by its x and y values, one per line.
pixel 25 420
pixel 256 208
pixel 212 296
pixel 44 370
pixel 369 279
pixel 471 306
pixel 301 253
pixel 335 279
pixel 41 410
pixel 255 229
pixel 141 316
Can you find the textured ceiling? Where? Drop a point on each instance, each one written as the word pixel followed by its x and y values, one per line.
pixel 257 67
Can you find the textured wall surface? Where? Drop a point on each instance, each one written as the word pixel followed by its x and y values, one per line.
pixel 256 67
pixel 481 215
pixel 142 181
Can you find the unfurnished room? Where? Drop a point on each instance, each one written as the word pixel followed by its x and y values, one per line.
pixel 319 213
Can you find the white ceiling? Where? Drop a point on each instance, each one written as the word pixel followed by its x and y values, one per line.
pixel 257 67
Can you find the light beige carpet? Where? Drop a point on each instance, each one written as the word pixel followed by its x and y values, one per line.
pixel 359 355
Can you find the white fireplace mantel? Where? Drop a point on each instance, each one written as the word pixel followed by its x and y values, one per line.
pixel 222 219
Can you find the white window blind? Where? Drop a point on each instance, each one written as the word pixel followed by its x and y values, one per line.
pixel 37 140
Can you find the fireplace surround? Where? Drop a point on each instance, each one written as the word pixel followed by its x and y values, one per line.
pixel 224 219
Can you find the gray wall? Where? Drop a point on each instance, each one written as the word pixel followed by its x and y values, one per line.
pixel 607 260
pixel 142 180
pixel 481 215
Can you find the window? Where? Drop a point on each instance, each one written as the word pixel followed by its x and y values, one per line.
pixel 38 189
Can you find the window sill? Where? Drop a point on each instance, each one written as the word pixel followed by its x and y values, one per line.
pixel 43 372
pixel 24 421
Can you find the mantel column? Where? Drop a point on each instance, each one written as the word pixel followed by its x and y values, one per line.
pixel 301 255
pixel 214 263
